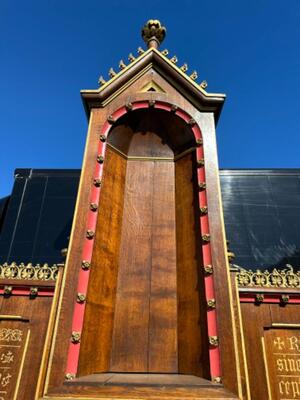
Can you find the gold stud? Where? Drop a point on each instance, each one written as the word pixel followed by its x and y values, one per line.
pixel 194 75
pixel 203 210
pixel 199 141
pixel 202 185
pixel 111 119
pixel 128 106
pixel 140 51
pixel 284 298
pixel 101 80
pixel 206 238
pixel 204 84
pixel 7 290
pixel 102 138
pixel 259 298
pixel 112 73
pixel 90 234
pixel 151 103
pixel 217 379
pixel 192 122
pixel 184 68
pixel 80 298
pixel 93 206
pixel 174 59
pixel 33 291
pixel 69 376
pixel 213 341
pixel 86 265
pixel 174 108
pixel 97 182
pixel 75 337
pixel 211 303
pixel 230 255
pixel 64 252
pixel 165 52
pixel 208 269
pixel 100 159
pixel 131 57
pixel 122 64
pixel 200 162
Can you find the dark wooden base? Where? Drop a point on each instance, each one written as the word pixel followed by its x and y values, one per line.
pixel 142 386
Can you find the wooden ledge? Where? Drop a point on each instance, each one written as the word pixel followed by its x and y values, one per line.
pixel 139 379
pixel 116 386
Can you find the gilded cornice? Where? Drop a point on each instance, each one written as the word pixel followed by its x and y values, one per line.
pixel 277 278
pixel 29 271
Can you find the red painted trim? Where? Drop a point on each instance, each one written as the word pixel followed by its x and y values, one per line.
pixel 20 291
pixel 78 314
pixel 269 298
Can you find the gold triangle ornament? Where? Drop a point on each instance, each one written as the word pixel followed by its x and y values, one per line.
pixel 152 87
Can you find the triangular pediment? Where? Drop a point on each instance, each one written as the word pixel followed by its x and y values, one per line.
pixel 154 59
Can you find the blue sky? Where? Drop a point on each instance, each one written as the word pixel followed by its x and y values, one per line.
pixel 51 49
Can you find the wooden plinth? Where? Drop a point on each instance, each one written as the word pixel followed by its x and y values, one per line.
pixel 143 386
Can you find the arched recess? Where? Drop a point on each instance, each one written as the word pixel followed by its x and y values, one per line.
pixel 146 304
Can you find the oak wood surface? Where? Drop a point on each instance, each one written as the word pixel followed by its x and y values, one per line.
pixel 99 315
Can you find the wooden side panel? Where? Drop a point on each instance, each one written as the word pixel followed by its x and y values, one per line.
pixel 99 316
pixel 163 354
pixel 21 345
pixel 270 335
pixel 192 331
pixel 130 336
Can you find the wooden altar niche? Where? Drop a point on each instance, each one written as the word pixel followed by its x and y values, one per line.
pixel 146 308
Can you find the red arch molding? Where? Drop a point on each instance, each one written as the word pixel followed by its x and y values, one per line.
pixel 83 279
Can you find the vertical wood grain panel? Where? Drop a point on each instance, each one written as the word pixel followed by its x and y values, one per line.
pixel 99 316
pixel 163 302
pixel 130 336
pixel 191 315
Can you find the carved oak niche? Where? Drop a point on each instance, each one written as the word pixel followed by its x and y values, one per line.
pixel 145 309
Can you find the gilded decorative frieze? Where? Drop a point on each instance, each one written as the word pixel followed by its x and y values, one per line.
pixel 283 278
pixel 29 271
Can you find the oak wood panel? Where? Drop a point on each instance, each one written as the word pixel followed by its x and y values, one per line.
pixel 151 133
pixel 36 312
pixel 192 326
pixel 131 323
pixel 99 315
pixel 163 352
pixel 254 319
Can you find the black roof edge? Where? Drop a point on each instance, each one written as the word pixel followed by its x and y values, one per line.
pixel 31 172
pixel 259 171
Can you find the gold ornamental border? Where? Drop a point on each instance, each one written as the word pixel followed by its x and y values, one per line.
pixel 39 272
pixel 283 278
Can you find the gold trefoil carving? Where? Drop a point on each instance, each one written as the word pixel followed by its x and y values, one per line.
pixel 29 271
pixel 284 278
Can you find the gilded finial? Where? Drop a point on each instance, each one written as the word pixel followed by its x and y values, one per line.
pixel 184 68
pixel 174 59
pixel 194 75
pixel 101 80
pixel 204 84
pixel 140 51
pixel 112 73
pixel 122 65
pixel 131 57
pixel 165 52
pixel 153 33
